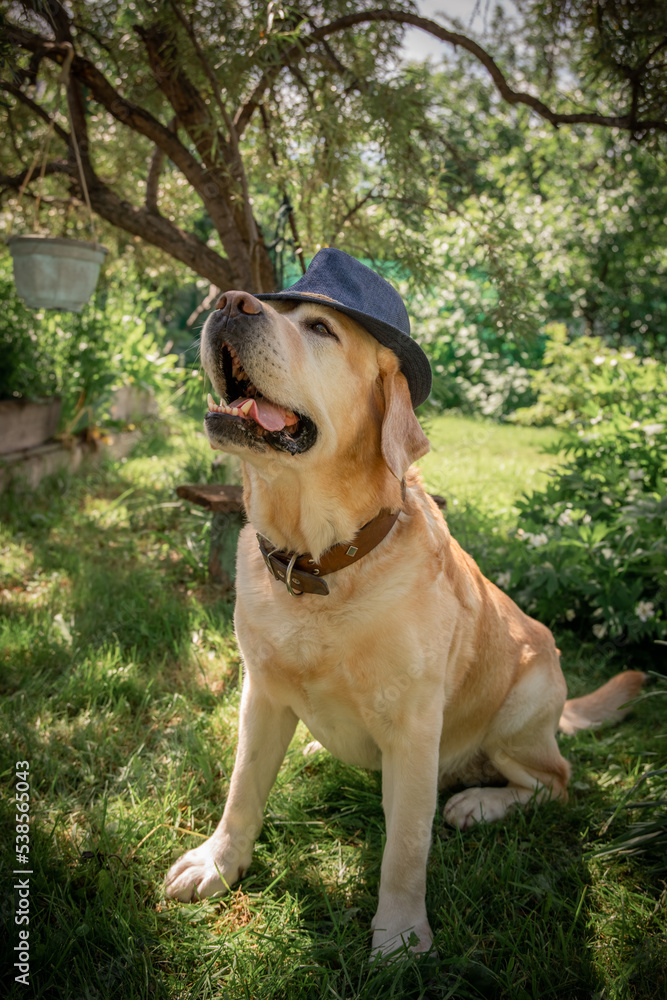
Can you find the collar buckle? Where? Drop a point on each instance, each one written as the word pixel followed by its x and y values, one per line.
pixel 288 578
pixel 283 571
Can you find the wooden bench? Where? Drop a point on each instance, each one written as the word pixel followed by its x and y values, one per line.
pixel 226 504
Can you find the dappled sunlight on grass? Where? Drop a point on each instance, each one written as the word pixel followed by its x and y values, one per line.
pixel 121 684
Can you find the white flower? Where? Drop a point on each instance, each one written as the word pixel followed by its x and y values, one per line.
pixel 570 614
pixel 565 519
pixel 645 610
pixel 653 428
pixel 503 579
pixel 536 540
pixel 607 553
pixel 598 359
pixel 627 355
pixel 613 362
pixel 635 474
pixel 600 631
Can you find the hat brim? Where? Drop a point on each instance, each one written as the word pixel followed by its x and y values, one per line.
pixel 414 363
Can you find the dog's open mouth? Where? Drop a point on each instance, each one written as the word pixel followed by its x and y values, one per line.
pixel 257 417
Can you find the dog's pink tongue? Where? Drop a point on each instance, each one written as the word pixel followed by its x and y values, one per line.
pixel 268 415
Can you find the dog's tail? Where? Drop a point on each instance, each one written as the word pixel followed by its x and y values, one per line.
pixel 603 705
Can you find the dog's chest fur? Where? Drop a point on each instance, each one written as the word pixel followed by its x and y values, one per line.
pixel 347 679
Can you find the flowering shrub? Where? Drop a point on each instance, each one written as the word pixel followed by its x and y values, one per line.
pixel 591 547
pixel 478 366
pixel 599 527
pixel 582 380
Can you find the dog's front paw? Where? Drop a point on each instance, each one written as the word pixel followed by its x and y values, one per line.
pixel 395 942
pixel 205 871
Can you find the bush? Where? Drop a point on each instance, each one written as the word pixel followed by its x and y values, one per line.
pixel 592 544
pixel 478 367
pixel 83 356
pixel 590 548
pixel 582 379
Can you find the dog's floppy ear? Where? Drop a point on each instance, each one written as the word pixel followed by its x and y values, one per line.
pixel 403 441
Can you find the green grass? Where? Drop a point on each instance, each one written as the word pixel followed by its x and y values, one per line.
pixel 485 464
pixel 120 685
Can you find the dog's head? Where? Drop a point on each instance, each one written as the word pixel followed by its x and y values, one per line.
pixel 303 383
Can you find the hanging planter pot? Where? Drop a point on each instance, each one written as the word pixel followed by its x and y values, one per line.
pixel 54 272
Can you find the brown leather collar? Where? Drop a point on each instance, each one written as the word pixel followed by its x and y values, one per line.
pixel 302 575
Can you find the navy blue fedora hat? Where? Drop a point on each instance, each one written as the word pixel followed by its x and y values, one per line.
pixel 359 292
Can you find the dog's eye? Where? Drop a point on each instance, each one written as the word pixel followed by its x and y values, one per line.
pixel 317 326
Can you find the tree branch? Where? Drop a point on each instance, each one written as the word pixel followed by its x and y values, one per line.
pixel 340 68
pixel 244 114
pixel 150 226
pixel 358 205
pixel 204 305
pixel 236 161
pixel 12 135
pixel 654 51
pixel 135 117
pixel 153 179
pixel 155 172
pixel 16 92
pixel 84 30
pixel 183 96
pixel 14 181
pixel 239 237
pixel 154 228
pixel 124 111
pixel 56 14
pixel 209 187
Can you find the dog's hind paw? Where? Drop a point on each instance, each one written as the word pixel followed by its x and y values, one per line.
pixel 480 805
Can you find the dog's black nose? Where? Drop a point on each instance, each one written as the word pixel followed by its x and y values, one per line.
pixel 239 304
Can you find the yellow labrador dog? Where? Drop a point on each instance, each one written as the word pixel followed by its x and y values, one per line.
pixel 356 610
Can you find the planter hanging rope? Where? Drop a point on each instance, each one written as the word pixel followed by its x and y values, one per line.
pixel 56 272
